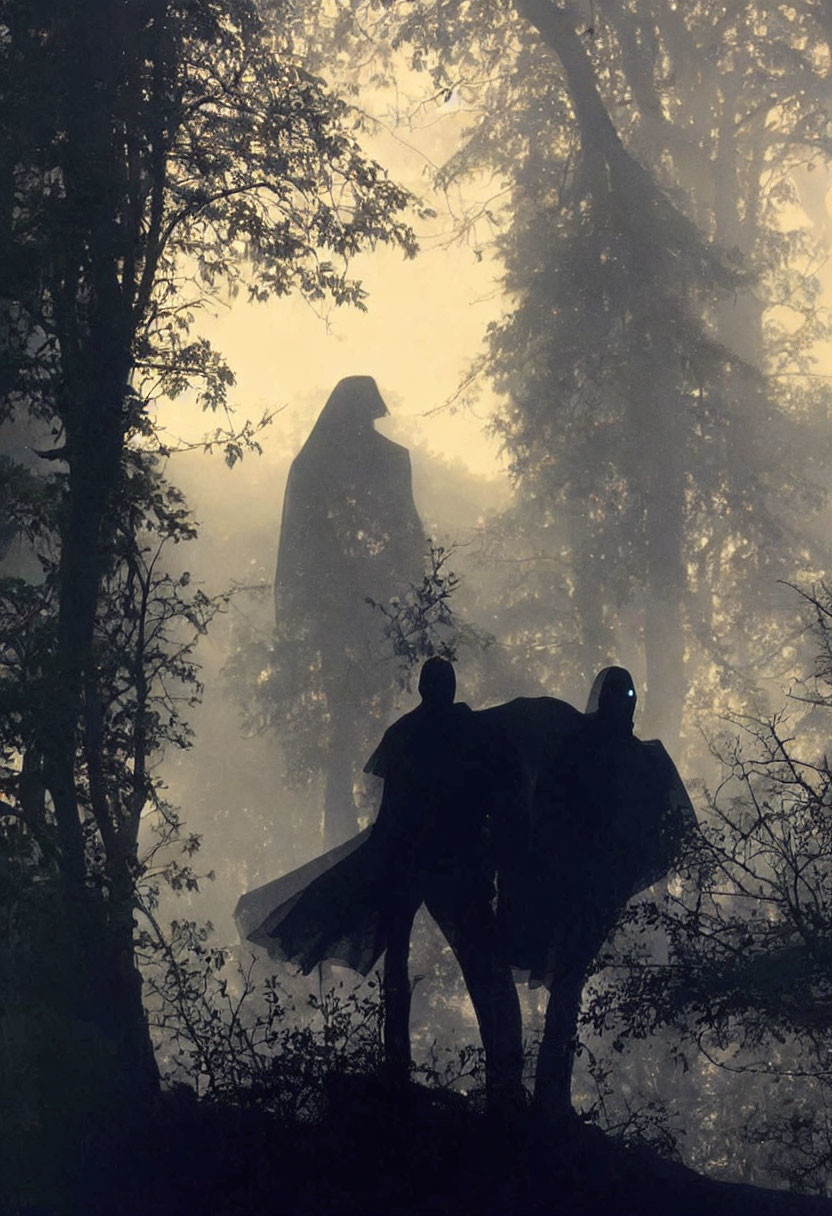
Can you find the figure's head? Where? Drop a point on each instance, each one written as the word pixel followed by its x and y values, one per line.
pixel 612 699
pixel 437 683
pixel 354 403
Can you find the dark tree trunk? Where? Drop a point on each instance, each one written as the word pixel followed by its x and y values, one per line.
pixel 595 639
pixel 663 431
pixel 109 987
pixel 619 187
pixel 95 328
pixel 96 369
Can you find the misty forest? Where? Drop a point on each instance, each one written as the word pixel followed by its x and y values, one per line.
pixel 415 607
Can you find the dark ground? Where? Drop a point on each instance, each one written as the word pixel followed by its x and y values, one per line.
pixel 424 1153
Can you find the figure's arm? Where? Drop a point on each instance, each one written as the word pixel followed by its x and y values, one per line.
pixel 391 821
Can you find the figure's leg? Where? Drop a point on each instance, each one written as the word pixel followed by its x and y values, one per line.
pixel 396 990
pixel 553 1076
pixel 578 938
pixel 467 920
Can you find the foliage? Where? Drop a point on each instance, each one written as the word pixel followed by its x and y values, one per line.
pixel 277 681
pixel 748 977
pixel 238 1042
pixel 240 1039
pixel 638 405
pixel 637 182
pixel 148 623
pixel 422 623
pixel 155 156
pixel 149 619
pixel 222 161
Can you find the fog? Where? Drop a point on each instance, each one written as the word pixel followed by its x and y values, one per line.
pixel 421 334
pixel 610 363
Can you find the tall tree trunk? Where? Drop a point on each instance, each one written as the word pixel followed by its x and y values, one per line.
pixel 619 186
pixel 109 994
pixel 95 328
pixel 596 641
pixel 663 430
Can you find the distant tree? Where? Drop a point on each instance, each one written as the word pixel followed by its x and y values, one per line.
pixel 297 685
pixel 152 155
pixel 648 260
pixel 660 414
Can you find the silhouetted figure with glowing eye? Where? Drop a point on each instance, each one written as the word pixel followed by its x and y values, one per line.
pixel 606 815
pixel 610 816
pixel 448 777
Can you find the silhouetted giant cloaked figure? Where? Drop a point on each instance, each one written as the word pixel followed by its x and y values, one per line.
pixel 350 529
pixel 607 814
pixel 447 775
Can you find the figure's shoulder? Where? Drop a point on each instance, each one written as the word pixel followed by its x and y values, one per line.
pixel 655 752
pixel 663 768
pixel 655 745
pixel 393 740
pixel 394 452
pixel 468 725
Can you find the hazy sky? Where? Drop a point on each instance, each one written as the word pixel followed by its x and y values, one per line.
pixel 424 324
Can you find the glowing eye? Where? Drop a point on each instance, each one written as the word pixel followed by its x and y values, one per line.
pixel 630 692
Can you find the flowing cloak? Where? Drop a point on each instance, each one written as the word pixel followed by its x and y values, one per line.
pixel 347 933
pixel 536 729
pixel 605 818
pixel 611 818
pixel 443 773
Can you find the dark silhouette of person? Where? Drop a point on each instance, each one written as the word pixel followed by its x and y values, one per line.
pixel 350 530
pixel 607 817
pixel 447 777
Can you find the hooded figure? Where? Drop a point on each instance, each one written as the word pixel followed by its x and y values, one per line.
pixel 610 824
pixel 599 805
pixel 446 775
pixel 350 530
